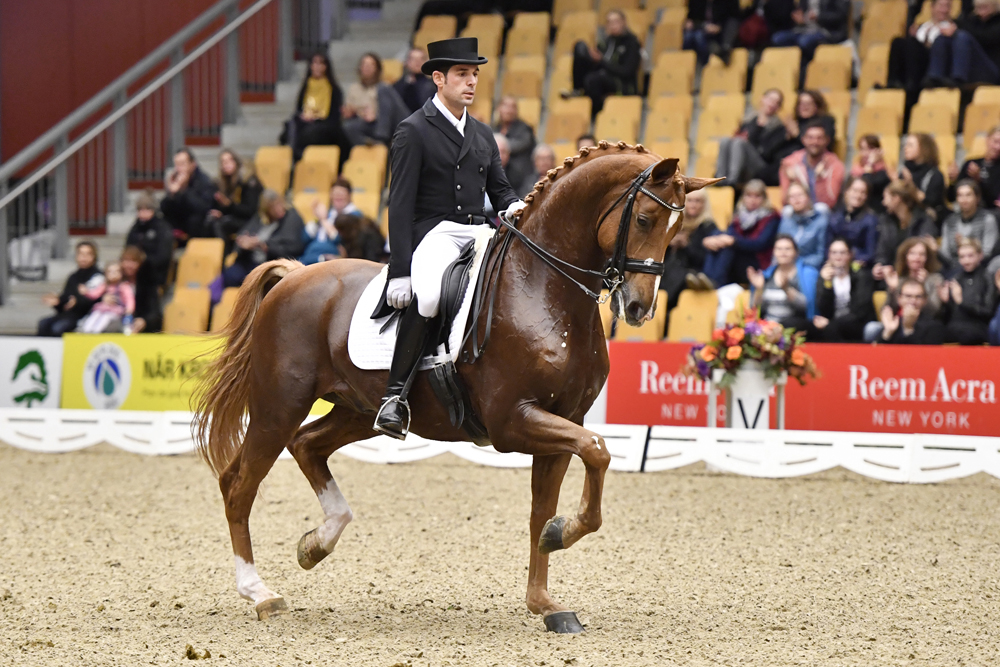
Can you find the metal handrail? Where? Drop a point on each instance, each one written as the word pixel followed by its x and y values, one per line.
pixel 100 100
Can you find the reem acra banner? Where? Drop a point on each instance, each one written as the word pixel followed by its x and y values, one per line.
pixel 30 372
pixel 883 388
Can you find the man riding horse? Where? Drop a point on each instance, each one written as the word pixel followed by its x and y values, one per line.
pixel 443 162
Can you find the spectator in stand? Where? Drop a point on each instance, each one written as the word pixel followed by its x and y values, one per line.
pixel 907 324
pixel 761 134
pixel 971 221
pixel 503 147
pixel 806 223
pixel 152 233
pixel 274 233
pixel 316 121
pixel 372 109
pixel 585 141
pixel 360 238
pixel 915 260
pixel 855 223
pixel 747 243
pixel 148 315
pixel 909 55
pixel 114 303
pixel 994 326
pixel 869 164
pixel 320 235
pixel 920 167
pixel 686 252
pixel 813 22
pixel 968 300
pixel 786 291
pixel 71 306
pixel 968 52
pixel 985 171
pixel 711 28
pixel 190 196
pixel 843 298
pixel 903 218
pixel 543 158
pixel 814 167
pixel 414 87
pixel 520 137
pixel 610 68
pixel 236 199
pixel 810 109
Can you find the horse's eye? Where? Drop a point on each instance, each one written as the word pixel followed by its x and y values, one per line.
pixel 643 222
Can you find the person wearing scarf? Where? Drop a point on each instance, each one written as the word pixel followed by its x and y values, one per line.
pixel 748 241
pixel 806 223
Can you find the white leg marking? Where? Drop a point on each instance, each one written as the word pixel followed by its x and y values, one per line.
pixel 338 515
pixel 597 441
pixel 249 584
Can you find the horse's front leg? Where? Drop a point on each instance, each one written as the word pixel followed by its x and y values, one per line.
pixel 550 438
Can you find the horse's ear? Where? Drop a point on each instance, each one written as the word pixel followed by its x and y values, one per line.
pixel 664 170
pixel 691 183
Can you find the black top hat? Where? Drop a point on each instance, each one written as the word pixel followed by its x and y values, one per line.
pixel 448 52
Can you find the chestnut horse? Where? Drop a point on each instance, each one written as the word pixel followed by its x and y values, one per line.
pixel 546 363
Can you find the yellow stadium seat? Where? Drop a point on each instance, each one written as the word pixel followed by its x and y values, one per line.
pixel 368 203
pixel 980 118
pixel 651 331
pixel 835 53
pixel 575 27
pixel 708 156
pixel 824 75
pixel 188 311
pixel 673 74
pixel 529 109
pixel 774 197
pixel 488 29
pixel 200 265
pixel 932 119
pixel 789 57
pixel 878 300
pixel 561 79
pixel 878 120
pixel 532 20
pixel 950 98
pixel 947 147
pixel 662 127
pixel 978 148
pixel 885 21
pixel 305 203
pixel 667 149
pixel 839 103
pixel 657 6
pixel 527 39
pixel 619 120
pixel 874 69
pixel 693 319
pixel 562 127
pixel 768 75
pixel 716 78
pixel 312 176
pixel 392 70
pixel 716 125
pixel 564 149
pixel 676 14
pixel 522 83
pixel 223 311
pixel 986 95
pixel 482 109
pixel 890 149
pixel 364 175
pixel 639 21
pixel 728 104
pixel 674 105
pixel 722 201
pixel 328 154
pixel 433 29
pixel 487 82
pixel 668 36
pixel 273 165
pixel 736 315
pixel 560 8
pixel 377 153
pixel 605 6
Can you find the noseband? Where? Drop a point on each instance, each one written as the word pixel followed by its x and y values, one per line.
pixel 614 273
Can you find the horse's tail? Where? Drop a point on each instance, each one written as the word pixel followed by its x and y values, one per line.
pixel 222 396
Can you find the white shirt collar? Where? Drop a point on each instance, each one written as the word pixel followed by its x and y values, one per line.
pixel 458 124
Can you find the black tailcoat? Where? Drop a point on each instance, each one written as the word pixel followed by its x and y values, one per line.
pixel 437 174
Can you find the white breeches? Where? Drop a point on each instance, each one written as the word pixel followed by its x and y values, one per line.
pixel 436 251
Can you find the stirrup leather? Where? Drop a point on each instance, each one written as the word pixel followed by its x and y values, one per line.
pixel 401 435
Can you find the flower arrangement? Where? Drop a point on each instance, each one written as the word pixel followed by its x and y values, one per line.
pixel 777 349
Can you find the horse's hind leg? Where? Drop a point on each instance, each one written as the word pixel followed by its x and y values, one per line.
pixel 239 483
pixel 311 448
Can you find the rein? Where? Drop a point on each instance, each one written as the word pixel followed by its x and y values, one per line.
pixel 613 275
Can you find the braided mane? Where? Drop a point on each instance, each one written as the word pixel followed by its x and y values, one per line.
pixel 602 148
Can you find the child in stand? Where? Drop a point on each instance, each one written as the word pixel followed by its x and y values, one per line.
pixel 115 303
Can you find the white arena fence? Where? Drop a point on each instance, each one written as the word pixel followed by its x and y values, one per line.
pixel 891 457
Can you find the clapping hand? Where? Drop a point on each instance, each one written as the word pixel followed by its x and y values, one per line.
pixel 827 272
pixel 820 322
pixel 944 292
pixel 890 322
pixel 780 279
pixel 51 300
pixel 920 275
pixel 972 170
pixel 246 242
pixel 956 292
pixel 878 271
pixel 755 277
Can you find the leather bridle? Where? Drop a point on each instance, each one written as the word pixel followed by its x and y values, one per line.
pixel 613 275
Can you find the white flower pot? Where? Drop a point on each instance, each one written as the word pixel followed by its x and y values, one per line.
pixel 749 397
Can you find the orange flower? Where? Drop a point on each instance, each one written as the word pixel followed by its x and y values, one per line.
pixel 734 352
pixel 735 336
pixel 798 357
pixel 750 315
pixel 718 334
pixel 709 353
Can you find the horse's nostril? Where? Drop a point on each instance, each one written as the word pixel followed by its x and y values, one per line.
pixel 635 310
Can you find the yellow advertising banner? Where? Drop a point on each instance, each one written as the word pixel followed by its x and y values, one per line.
pixel 139 372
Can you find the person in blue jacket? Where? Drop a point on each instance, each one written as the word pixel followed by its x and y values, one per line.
pixel 806 223
pixel 786 291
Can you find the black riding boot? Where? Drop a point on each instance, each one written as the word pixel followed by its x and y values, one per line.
pixel 393 418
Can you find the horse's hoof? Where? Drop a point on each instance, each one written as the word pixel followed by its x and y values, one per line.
pixel 552 536
pixel 563 622
pixel 310 552
pixel 270 608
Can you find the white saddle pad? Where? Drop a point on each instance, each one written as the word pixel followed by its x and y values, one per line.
pixel 372 351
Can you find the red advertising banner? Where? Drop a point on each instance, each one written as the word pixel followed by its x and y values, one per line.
pixel 885 388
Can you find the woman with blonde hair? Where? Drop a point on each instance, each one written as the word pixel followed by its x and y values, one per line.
pixel 748 241
pixel 686 253
pixel 920 167
pixel 904 217
pixel 237 198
